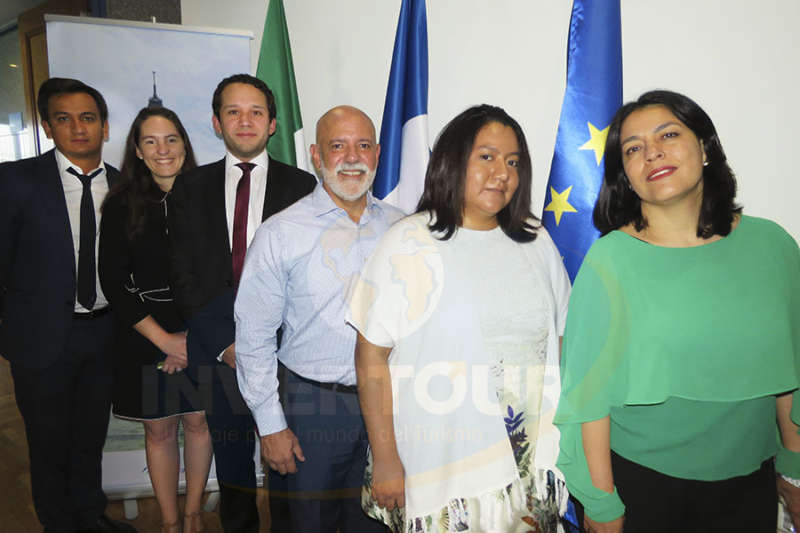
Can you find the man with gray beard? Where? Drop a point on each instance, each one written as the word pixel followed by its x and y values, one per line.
pixel 296 277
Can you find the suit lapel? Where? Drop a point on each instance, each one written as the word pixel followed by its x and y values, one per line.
pixel 112 175
pixel 54 205
pixel 273 190
pixel 216 203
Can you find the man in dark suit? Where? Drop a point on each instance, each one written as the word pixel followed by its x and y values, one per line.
pixel 56 327
pixel 214 212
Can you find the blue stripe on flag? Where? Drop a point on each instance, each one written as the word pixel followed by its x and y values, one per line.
pixel 407 92
pixel 592 96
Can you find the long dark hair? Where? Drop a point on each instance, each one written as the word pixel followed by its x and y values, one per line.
pixel 618 205
pixel 444 180
pixel 136 186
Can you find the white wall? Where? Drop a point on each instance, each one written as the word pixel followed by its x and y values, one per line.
pixel 738 58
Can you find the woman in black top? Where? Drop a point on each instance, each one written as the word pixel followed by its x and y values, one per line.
pixel 151 339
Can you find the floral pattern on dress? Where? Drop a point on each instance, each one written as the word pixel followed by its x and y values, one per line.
pixel 536 516
pixel 519 440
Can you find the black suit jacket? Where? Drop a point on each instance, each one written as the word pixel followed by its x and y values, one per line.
pixel 201 260
pixel 37 261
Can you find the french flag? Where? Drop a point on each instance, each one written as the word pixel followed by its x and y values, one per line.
pixel 405 151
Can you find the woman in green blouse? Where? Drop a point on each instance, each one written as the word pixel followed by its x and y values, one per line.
pixel 682 340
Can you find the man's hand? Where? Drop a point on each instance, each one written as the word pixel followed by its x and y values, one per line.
pixel 791 496
pixel 388 483
pixel 280 449
pixel 229 356
pixel 614 526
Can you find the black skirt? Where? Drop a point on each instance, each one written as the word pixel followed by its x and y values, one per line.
pixel 141 390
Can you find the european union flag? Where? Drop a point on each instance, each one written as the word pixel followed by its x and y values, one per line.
pixel 405 150
pixel 593 95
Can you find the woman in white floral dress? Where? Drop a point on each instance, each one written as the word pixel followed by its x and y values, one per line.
pixel 459 313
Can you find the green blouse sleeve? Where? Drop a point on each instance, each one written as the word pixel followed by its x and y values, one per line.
pixel 599 505
pixel 593 374
pixel 787 462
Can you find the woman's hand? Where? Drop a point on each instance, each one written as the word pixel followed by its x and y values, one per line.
pixel 174 346
pixel 791 496
pixel 388 485
pixel 172 364
pixel 615 526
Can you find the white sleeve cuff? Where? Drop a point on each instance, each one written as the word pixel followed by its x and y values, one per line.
pixel 270 422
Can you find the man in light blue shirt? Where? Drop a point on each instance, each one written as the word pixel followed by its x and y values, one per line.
pixel 297 274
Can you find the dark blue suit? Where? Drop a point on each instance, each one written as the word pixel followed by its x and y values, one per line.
pixel 202 282
pixel 61 366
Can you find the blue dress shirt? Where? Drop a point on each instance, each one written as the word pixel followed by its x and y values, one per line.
pixel 297 274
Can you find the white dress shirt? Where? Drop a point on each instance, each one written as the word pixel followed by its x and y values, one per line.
pixel 73 190
pixel 255 207
pixel 258 188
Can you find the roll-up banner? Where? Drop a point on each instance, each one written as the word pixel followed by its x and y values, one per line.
pixel 135 63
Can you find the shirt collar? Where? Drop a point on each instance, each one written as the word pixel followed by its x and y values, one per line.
pixel 261 160
pixel 64 163
pixel 323 203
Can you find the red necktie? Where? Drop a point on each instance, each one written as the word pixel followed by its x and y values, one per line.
pixel 240 221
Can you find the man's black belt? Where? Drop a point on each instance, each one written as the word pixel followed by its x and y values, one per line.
pixel 91 315
pixel 335 387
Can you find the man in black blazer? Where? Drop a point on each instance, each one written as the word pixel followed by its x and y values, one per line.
pixel 56 327
pixel 213 214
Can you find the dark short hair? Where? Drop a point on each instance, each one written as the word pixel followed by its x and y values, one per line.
pixel 443 195
pixel 55 86
pixel 216 101
pixel 618 205
pixel 136 183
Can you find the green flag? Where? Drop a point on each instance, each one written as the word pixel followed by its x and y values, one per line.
pixel 275 68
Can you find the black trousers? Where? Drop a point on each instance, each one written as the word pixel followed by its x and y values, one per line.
pixel 655 502
pixel 66 408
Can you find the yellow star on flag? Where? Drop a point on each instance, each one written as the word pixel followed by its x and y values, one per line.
pixel 559 203
pixel 596 142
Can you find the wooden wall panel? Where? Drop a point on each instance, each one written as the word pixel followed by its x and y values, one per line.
pixel 33 49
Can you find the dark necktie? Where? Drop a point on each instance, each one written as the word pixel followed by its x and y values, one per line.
pixel 239 247
pixel 87 278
